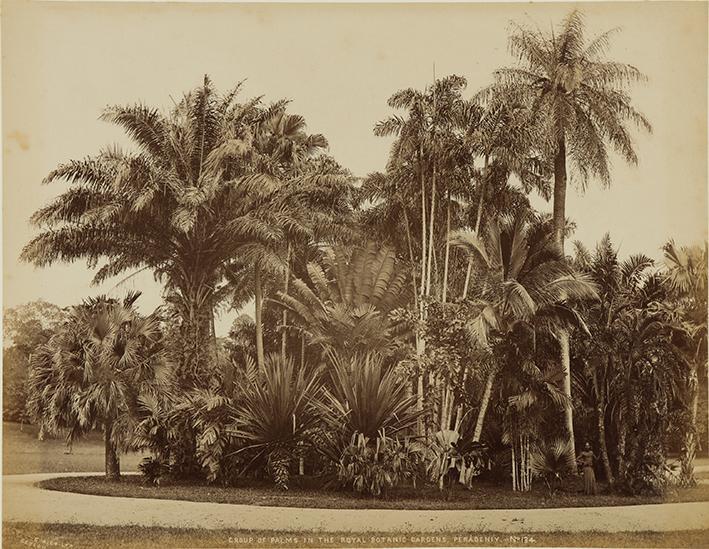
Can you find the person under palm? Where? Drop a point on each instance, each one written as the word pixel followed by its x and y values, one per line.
pixel 586 460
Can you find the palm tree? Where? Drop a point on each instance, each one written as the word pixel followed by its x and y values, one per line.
pixel 200 188
pixel 580 104
pixel 686 278
pixel 621 286
pixel 503 136
pixel 428 149
pixel 281 140
pixel 651 385
pixel 347 306
pixel 524 283
pixel 430 156
pixel 92 371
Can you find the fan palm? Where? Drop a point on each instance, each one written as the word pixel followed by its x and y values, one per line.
pixel 553 460
pixel 349 305
pixel 580 104
pixel 91 372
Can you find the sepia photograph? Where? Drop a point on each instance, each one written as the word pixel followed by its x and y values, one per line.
pixel 354 275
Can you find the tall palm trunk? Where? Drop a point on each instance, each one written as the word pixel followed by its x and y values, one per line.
pixel 212 328
pixel 565 356
pixel 420 341
pixel 423 232
pixel 560 194
pixel 484 404
pixel 411 256
pixel 447 403
pixel 623 425
pixel 112 461
pixel 258 310
pixel 429 266
pixel 559 228
pixel 689 448
pixel 432 217
pixel 600 389
pixel 448 246
pixel 491 376
pixel 286 280
pixel 478 220
pixel 196 330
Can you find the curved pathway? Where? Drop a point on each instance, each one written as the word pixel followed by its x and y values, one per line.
pixel 23 501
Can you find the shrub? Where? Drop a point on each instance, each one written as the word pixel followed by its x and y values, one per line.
pixel 364 396
pixel 275 416
pixel 450 457
pixel 552 461
pixel 154 469
pixel 375 467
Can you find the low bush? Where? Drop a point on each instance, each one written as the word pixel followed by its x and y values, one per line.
pixel 374 467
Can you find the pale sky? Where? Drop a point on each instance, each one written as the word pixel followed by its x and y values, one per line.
pixel 62 63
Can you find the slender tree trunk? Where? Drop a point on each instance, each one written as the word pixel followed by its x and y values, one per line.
pixel 601 422
pixel 286 281
pixel 514 466
pixel 448 247
pixel 420 341
pixel 622 437
pixel 478 221
pixel 423 231
pixel 484 403
pixel 435 399
pixel 302 351
pixel 432 217
pixel 560 194
pixel 689 448
pixel 411 257
pixel 459 411
pixel 466 284
pixel 112 461
pixel 565 356
pixel 258 310
pixel 419 403
pixel 559 229
pixel 213 329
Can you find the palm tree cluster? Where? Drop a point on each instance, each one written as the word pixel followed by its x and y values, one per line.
pixel 419 324
pixel 92 372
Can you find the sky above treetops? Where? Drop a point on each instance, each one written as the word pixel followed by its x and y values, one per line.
pixel 338 63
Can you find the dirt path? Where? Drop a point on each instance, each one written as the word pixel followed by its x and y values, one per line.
pixel 25 502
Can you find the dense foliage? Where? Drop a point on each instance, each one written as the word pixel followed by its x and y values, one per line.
pixel 419 325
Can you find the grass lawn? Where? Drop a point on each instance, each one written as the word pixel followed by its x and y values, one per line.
pixel 23 453
pixel 77 535
pixel 305 493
